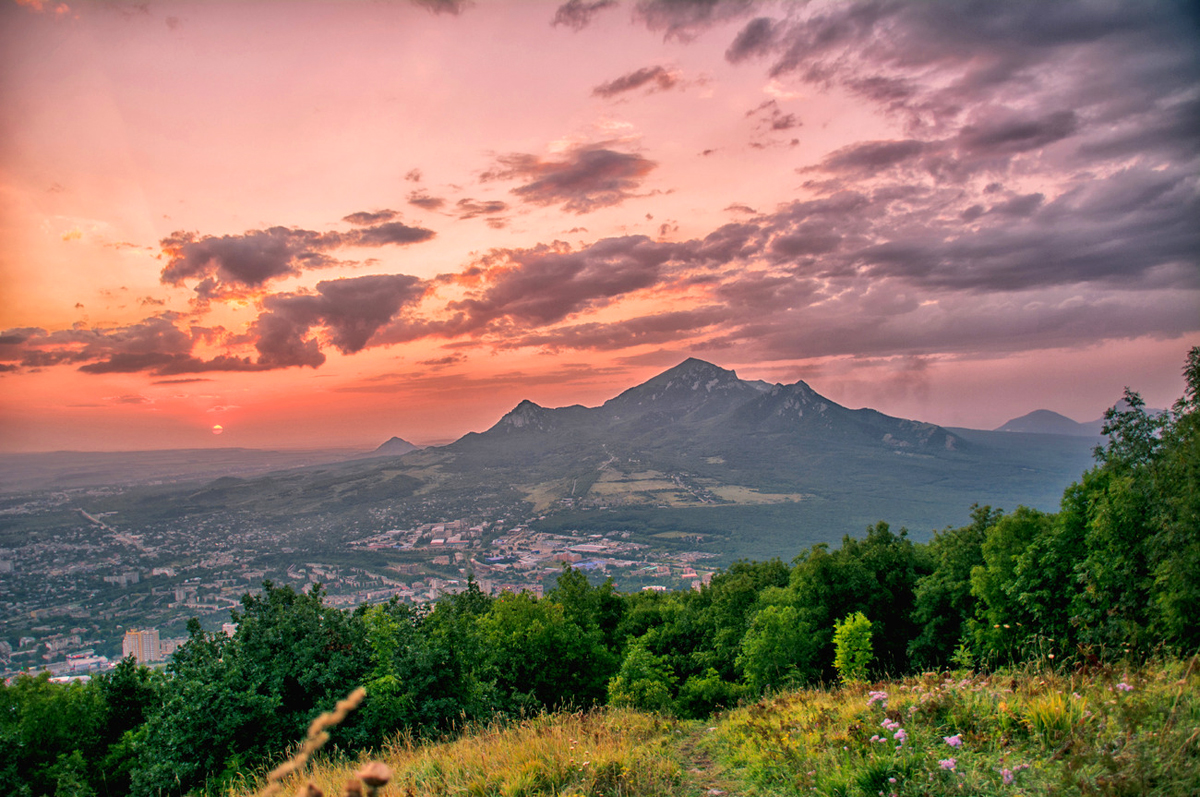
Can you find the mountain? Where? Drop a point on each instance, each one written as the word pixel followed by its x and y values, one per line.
pixel 694 458
pixel 394 448
pixel 1047 422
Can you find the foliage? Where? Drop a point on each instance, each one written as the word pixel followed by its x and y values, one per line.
pixel 645 681
pixel 852 648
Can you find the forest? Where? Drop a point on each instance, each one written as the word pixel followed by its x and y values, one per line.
pixel 1114 575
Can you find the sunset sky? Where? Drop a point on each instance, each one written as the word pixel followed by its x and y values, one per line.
pixel 327 223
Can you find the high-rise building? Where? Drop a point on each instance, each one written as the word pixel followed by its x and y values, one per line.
pixel 142 644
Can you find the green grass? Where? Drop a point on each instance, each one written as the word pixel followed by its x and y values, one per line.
pixel 1133 731
pixel 1026 733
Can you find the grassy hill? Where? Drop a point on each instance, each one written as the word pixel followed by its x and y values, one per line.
pixel 1109 731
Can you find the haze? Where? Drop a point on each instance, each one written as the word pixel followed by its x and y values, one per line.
pixel 329 223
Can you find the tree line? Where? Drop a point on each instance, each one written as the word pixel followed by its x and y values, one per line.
pixel 1114 574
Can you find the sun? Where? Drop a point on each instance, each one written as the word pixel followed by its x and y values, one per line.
pixel 218 428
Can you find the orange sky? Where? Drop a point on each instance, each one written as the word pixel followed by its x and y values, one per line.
pixel 324 224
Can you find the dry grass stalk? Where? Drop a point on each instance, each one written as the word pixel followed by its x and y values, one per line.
pixel 318 734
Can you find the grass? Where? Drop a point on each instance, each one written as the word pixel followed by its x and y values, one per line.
pixel 1106 732
pixel 609 753
pixel 1034 732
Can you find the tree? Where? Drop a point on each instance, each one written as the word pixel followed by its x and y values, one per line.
pixel 645 681
pixel 942 601
pixel 777 650
pixel 852 648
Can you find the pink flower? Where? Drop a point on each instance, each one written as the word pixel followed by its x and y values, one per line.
pixel 1123 687
pixel 948 763
pixel 877 697
pixel 1006 776
pixel 900 736
pixel 953 741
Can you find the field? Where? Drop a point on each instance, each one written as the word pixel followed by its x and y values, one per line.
pixel 1108 731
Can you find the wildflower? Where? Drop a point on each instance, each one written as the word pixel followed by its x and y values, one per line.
pixel 953 741
pixel 900 736
pixel 891 780
pixel 890 725
pixel 878 738
pixel 1123 687
pixel 1006 776
pixel 948 763
pixel 877 697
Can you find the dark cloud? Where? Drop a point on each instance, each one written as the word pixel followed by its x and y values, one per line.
pixel 259 256
pixel 659 78
pixel 249 259
pixel 578 14
pixel 585 179
pixel 389 233
pixel 870 157
pixel 685 19
pixel 365 218
pixel 754 40
pixel 531 287
pixel 442 362
pixel 469 208
pixel 639 331
pixel 452 7
pixel 351 310
pixel 423 200
pixel 1013 133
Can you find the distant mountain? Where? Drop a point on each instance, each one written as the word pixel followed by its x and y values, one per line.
pixel 694 458
pixel 698 407
pixel 394 448
pixel 1047 422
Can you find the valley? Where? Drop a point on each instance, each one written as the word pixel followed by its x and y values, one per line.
pixel 656 488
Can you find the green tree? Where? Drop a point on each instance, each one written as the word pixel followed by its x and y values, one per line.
pixel 942 601
pixel 645 681
pixel 1001 620
pixel 777 650
pixel 45 729
pixel 852 648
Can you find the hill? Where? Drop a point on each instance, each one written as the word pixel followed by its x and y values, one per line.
pixel 394 447
pixel 1048 422
pixel 1029 731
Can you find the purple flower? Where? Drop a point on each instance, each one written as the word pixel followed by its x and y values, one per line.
pixel 877 697
pixel 948 763
pixel 900 736
pixel 953 741
pixel 891 725
pixel 1123 687
pixel 1006 776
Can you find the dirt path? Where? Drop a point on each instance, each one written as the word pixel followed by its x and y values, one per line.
pixel 704 777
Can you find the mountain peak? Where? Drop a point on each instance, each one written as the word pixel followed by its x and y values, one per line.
pixel 692 386
pixel 395 447
pixel 526 415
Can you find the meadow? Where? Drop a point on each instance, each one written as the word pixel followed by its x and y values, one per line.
pixel 1108 730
